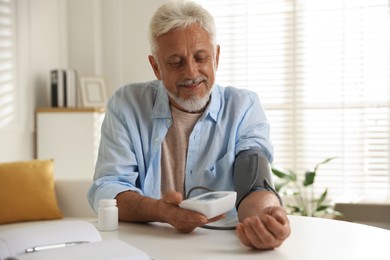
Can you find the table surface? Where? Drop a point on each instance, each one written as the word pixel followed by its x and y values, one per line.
pixel 311 238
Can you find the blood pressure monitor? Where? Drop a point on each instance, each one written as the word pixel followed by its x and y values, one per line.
pixel 211 204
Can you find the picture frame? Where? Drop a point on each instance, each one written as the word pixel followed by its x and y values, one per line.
pixel 93 91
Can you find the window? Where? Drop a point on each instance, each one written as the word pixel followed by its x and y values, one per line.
pixel 7 62
pixel 321 69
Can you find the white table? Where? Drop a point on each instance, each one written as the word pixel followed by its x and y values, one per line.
pixel 311 239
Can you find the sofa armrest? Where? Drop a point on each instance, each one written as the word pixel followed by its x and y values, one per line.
pixel 72 197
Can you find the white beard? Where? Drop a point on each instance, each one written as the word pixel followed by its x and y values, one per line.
pixel 193 104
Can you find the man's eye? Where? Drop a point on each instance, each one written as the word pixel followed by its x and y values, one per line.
pixel 201 58
pixel 175 64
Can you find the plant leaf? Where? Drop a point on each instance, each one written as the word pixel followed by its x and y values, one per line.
pixel 280 185
pixel 295 209
pixel 323 162
pixel 333 212
pixel 284 174
pixel 309 178
pixel 323 197
pixel 323 207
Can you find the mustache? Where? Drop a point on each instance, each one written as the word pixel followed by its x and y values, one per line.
pixel 189 82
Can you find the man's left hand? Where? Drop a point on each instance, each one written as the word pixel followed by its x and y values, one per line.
pixel 267 230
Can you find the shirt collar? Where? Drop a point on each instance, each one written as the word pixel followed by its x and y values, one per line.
pixel 215 104
pixel 161 106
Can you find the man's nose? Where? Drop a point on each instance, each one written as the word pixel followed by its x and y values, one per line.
pixel 191 69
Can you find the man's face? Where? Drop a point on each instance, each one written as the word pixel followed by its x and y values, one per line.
pixel 186 63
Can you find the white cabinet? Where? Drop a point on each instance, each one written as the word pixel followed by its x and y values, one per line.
pixel 71 137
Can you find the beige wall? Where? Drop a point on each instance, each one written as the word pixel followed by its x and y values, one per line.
pixel 96 37
pixel 109 38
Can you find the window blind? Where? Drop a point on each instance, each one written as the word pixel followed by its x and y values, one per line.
pixel 7 62
pixel 321 69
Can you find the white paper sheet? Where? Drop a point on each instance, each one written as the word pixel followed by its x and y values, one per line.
pixel 104 250
pixel 15 242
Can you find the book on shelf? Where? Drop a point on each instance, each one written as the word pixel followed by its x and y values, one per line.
pixel 56 84
pixel 59 240
pixel 63 88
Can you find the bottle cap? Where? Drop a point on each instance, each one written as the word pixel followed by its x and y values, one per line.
pixel 107 202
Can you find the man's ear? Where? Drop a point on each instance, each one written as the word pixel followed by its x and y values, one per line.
pixel 155 67
pixel 217 50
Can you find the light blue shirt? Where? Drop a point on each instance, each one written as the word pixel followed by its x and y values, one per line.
pixel 137 119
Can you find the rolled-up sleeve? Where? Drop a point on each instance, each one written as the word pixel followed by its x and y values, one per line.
pixel 131 135
pixel 254 128
pixel 116 167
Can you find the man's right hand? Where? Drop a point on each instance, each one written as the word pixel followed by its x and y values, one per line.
pixel 182 219
pixel 134 207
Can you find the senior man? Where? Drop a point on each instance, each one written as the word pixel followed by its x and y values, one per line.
pixel 162 138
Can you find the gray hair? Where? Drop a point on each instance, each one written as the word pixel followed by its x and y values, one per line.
pixel 179 14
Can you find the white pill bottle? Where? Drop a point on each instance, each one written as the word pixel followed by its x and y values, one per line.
pixel 107 215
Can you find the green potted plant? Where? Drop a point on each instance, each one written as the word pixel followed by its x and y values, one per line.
pixel 305 202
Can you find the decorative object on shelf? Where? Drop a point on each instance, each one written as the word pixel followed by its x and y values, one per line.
pixel 63 88
pixel 305 202
pixel 93 91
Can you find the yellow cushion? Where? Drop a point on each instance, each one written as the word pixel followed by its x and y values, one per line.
pixel 27 191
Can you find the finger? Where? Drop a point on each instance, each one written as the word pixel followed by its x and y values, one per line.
pixel 240 231
pixel 257 233
pixel 278 230
pixel 278 223
pixel 265 237
pixel 279 215
pixel 187 215
pixel 187 220
pixel 172 197
pixel 219 217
